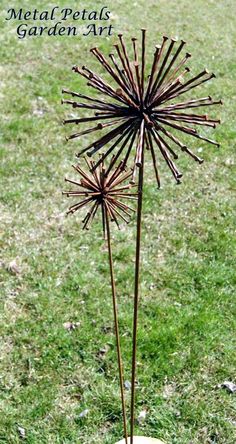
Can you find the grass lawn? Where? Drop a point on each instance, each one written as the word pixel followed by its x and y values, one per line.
pixel 53 273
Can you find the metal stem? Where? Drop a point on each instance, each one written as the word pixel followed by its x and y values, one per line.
pixel 136 294
pixel 114 300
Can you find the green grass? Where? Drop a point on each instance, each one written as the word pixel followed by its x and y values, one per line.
pixel 48 375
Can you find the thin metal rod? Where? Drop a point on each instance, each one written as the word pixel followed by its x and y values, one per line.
pixel 136 294
pixel 143 61
pixel 114 300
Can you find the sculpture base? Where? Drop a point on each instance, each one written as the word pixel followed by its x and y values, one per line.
pixel 142 440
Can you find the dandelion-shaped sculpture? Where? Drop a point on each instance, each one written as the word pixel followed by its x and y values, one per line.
pixel 141 111
pixel 99 190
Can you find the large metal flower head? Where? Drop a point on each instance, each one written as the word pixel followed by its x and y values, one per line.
pixel 100 188
pixel 141 109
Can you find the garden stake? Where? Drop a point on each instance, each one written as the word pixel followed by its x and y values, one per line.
pixel 136 294
pixel 106 191
pixel 114 300
pixel 143 116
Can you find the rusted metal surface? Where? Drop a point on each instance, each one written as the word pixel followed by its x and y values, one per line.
pixel 143 106
pixel 98 188
pixel 139 111
pixel 102 189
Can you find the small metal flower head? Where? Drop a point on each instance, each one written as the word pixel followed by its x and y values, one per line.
pixel 142 109
pixel 104 189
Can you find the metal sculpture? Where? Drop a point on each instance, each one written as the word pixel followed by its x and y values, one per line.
pixel 141 111
pixel 99 190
